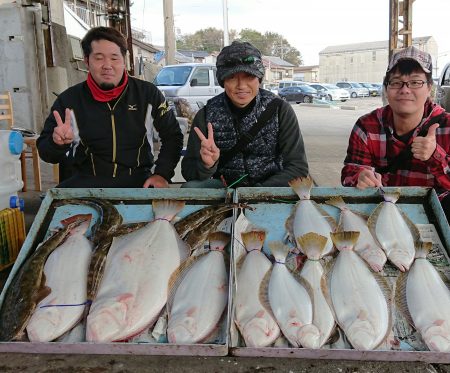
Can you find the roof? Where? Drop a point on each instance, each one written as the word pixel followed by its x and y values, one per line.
pixel 275 60
pixel 372 45
pixel 146 46
pixel 194 54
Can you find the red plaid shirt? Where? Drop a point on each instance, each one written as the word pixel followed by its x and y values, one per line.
pixel 372 145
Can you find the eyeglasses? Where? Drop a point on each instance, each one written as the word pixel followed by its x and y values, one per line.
pixel 233 61
pixel 413 84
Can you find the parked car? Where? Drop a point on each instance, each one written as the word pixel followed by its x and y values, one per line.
pixel 354 89
pixel 195 82
pixel 443 88
pixel 303 93
pixel 373 91
pixel 290 83
pixel 379 86
pixel 330 91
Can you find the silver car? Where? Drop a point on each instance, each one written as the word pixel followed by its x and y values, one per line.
pixel 355 89
pixel 331 92
pixel 443 88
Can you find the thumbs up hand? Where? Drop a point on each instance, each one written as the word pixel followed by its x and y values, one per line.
pixel 424 147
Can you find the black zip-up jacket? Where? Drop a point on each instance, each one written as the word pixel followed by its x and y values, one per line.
pixel 115 147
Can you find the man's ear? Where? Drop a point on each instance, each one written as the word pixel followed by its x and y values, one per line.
pixel 86 61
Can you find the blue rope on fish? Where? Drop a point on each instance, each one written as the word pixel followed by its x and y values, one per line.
pixel 66 305
pixel 279 262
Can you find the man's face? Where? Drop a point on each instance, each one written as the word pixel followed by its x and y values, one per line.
pixel 408 101
pixel 241 88
pixel 106 63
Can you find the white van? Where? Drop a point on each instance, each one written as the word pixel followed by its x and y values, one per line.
pixel 196 82
pixel 290 83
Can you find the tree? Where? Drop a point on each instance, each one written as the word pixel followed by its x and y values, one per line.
pixel 269 43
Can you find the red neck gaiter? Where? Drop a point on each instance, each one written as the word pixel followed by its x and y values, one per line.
pixel 102 95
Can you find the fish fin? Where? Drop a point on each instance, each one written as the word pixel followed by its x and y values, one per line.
pixel 178 275
pixel 336 201
pixel 444 279
pixel 345 239
pixel 331 221
pixel 289 225
pixel 129 228
pixel 325 286
pixel 387 292
pixel 313 245
pixel 43 293
pixel 400 297
pixel 264 293
pixel 302 186
pixel 166 208
pixel 372 220
pixel 279 250
pixel 215 336
pixel 253 240
pixel 412 227
pixel 218 240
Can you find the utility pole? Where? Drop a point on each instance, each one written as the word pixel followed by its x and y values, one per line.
pixel 169 32
pixel 226 38
pixel 400 13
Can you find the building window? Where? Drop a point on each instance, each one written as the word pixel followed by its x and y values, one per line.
pixel 374 55
pixel 351 59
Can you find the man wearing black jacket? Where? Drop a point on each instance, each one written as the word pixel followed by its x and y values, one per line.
pixel 104 125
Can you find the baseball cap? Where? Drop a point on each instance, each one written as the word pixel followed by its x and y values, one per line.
pixel 412 53
pixel 239 57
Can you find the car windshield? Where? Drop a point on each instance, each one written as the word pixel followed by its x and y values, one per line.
pixel 331 86
pixel 367 85
pixel 173 75
pixel 308 89
pixel 356 85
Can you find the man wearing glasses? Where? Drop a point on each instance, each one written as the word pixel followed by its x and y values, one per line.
pixel 407 142
pixel 244 136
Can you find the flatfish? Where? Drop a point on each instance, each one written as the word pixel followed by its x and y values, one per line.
pixel 307 216
pixel 134 287
pixel 394 231
pixel 312 272
pixel 423 296
pixel 359 298
pixel 253 319
pixel 27 288
pixel 200 294
pixel 290 302
pixel 366 246
pixel 66 272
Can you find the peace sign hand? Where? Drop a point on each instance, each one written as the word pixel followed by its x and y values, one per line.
pixel 62 133
pixel 208 150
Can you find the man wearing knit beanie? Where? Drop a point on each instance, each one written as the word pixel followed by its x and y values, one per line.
pixel 224 150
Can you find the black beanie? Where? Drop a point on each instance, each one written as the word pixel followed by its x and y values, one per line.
pixel 239 57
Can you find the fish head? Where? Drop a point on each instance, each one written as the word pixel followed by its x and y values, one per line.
pixel 258 332
pixel 105 325
pixel 43 324
pixel 309 336
pixel 183 331
pixel 437 337
pixel 361 335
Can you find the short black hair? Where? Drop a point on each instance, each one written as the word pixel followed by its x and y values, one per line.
pixel 407 67
pixel 103 33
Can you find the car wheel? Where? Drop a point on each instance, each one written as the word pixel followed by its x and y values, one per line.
pixel 307 99
pixel 353 95
pixel 329 98
pixel 344 100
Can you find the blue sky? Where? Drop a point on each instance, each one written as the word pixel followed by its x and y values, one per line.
pixel 309 26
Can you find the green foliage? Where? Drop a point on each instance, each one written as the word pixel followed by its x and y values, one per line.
pixel 269 43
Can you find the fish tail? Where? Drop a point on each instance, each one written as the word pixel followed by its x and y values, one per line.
pixel 422 248
pixel 253 240
pixel 279 250
pixel 312 244
pixel 302 186
pixel 218 240
pixel 391 196
pixel 166 209
pixel 345 240
pixel 336 201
